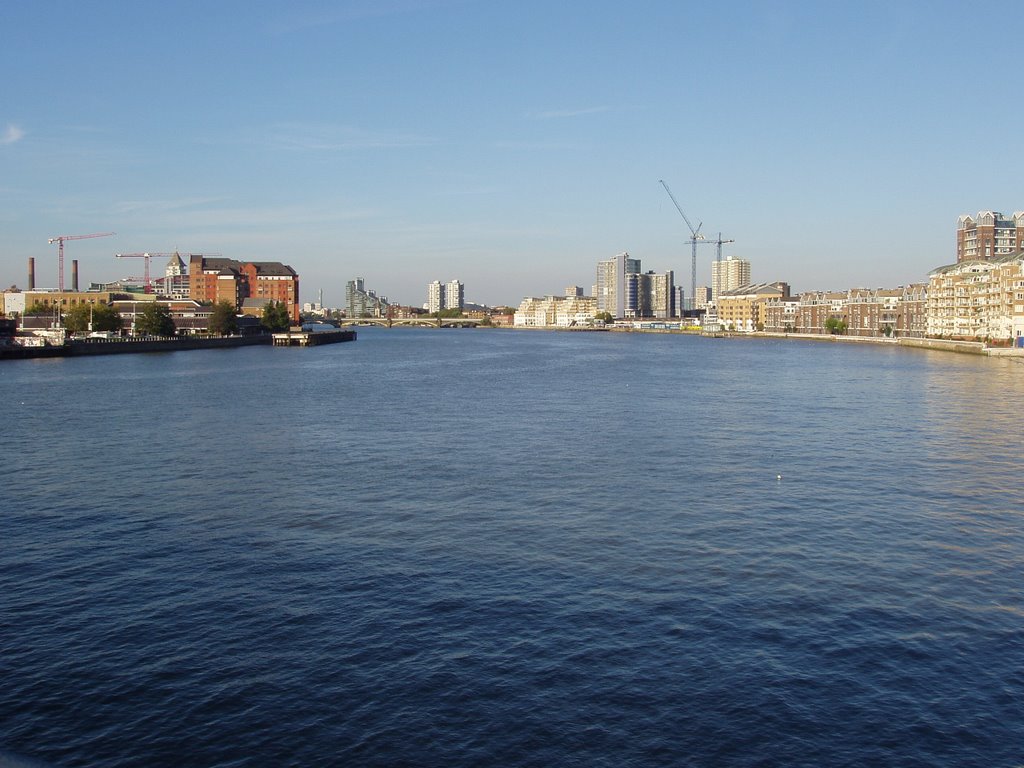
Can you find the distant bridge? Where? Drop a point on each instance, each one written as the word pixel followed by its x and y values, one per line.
pixel 425 321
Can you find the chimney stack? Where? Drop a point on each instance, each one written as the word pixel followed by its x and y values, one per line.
pixel 31 273
pixel 74 275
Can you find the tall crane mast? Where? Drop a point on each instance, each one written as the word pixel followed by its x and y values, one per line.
pixel 718 243
pixel 60 251
pixel 147 257
pixel 696 238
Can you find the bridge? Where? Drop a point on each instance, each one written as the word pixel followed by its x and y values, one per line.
pixel 424 322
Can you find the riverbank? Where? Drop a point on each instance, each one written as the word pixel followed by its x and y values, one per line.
pixel 943 345
pixel 90 347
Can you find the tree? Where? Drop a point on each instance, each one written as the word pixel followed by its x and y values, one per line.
pixel 223 321
pixel 450 312
pixel 605 317
pixel 102 317
pixel 39 308
pixel 275 317
pixel 835 326
pixel 155 320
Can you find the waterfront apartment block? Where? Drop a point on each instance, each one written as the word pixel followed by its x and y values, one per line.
pixel 216 279
pixel 624 291
pixel 887 311
pixel 656 296
pixel 360 302
pixel 816 308
pixel 454 295
pixel 989 236
pixel 450 295
pixel 614 293
pixel 979 299
pixel 742 309
pixel 555 311
pixel 728 274
pixel 865 312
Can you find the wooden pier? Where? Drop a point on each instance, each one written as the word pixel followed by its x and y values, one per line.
pixel 312 338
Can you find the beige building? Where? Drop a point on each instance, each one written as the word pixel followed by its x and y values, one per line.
pixel 743 309
pixel 980 299
pixel 555 312
pixel 728 274
pixel 16 302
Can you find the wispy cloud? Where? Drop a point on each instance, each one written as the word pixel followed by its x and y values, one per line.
pixel 558 114
pixel 199 214
pixel 337 138
pixel 163 206
pixel 12 135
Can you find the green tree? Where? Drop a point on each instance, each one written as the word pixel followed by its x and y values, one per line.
pixel 835 325
pixel 102 316
pixel 223 321
pixel 604 317
pixel 155 320
pixel 275 317
pixel 39 308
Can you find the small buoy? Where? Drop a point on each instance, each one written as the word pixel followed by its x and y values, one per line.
pixel 778 477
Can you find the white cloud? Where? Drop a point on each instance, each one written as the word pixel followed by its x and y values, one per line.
pixel 12 134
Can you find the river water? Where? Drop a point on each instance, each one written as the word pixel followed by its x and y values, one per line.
pixel 473 547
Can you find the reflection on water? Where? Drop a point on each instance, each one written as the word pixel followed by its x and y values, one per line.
pixel 471 547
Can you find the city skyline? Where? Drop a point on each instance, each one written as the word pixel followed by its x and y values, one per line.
pixel 515 146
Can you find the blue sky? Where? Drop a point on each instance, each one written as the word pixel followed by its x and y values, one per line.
pixel 510 145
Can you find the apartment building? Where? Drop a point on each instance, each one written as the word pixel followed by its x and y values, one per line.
pixel 615 293
pixel 978 299
pixel 780 314
pixel 728 274
pixel 887 311
pixel 990 235
pixel 360 302
pixel 656 295
pixel 743 309
pixel 450 295
pixel 219 279
pixel 555 311
pixel 454 295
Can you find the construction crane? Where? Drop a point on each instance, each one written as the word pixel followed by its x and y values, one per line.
pixel 718 243
pixel 60 251
pixel 147 257
pixel 696 238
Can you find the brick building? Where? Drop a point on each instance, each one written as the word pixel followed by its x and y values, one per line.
pixel 219 279
pixel 989 236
